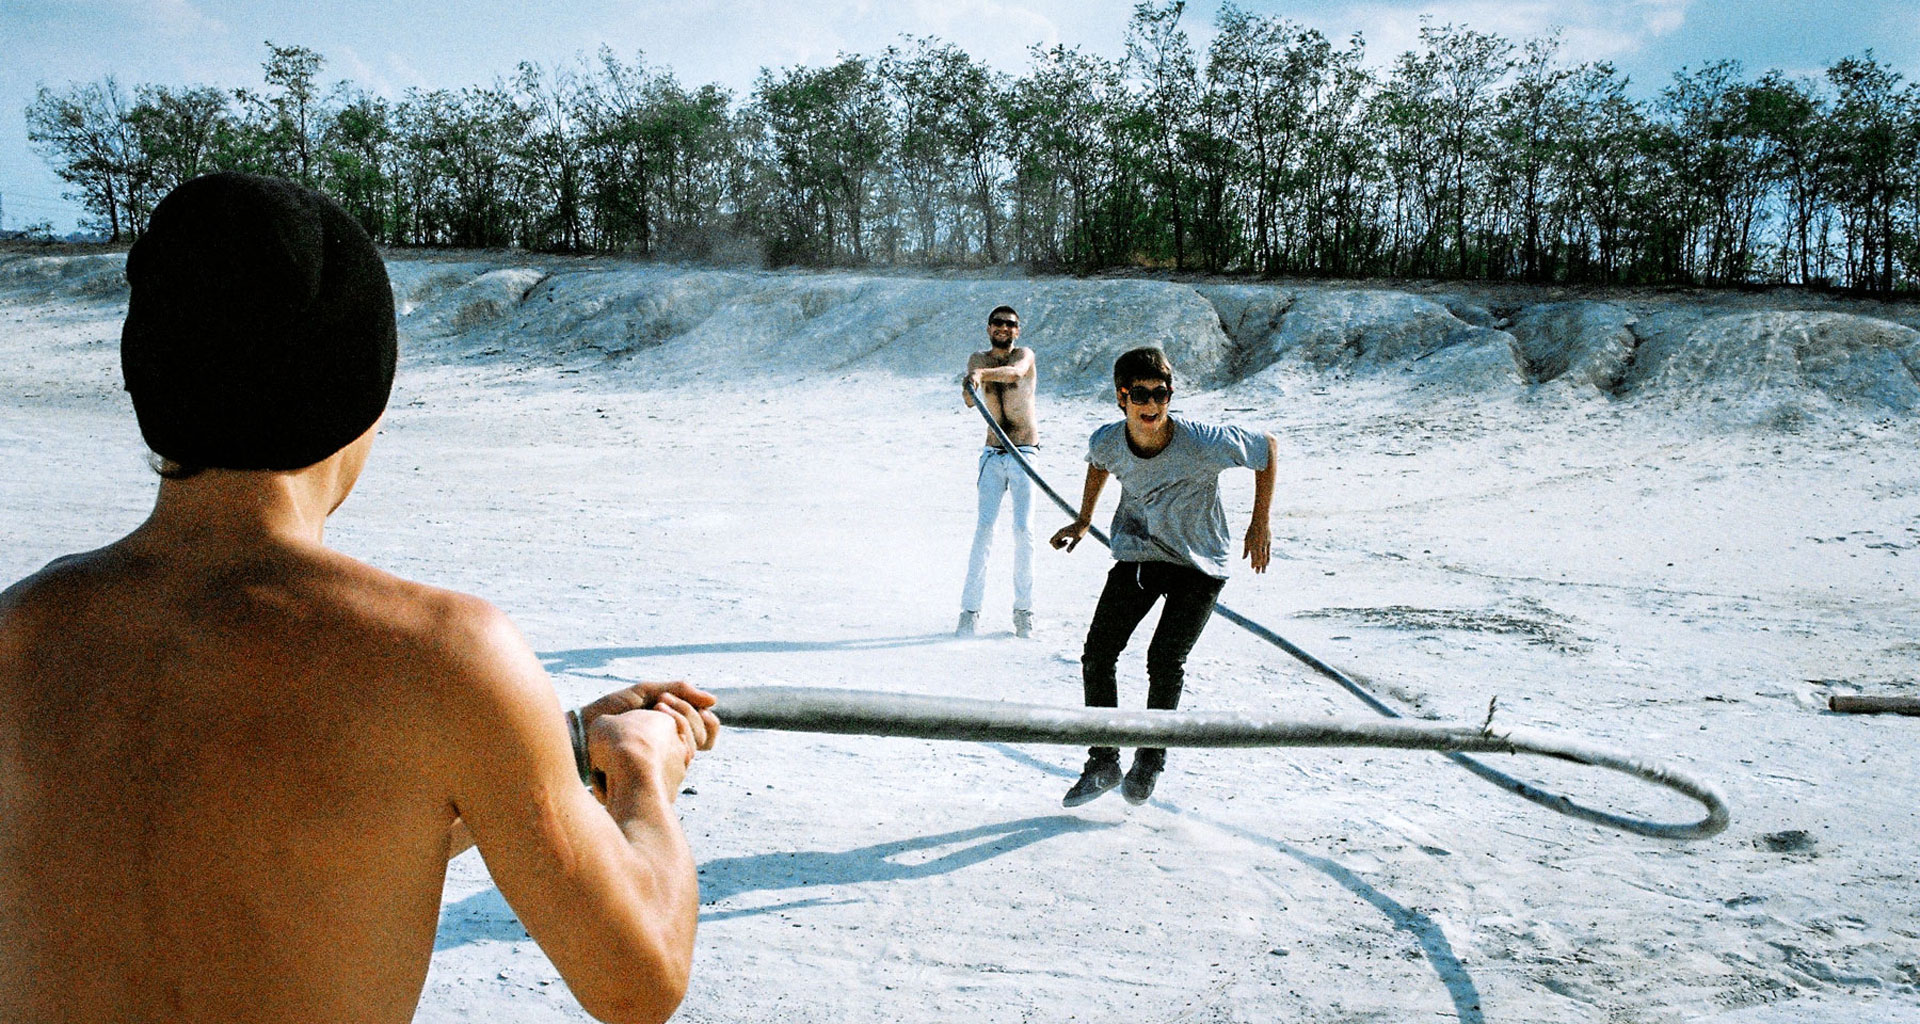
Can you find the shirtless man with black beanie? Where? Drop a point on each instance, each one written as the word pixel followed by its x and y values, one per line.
pixel 234 762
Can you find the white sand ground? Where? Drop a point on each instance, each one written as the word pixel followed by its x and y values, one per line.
pixel 1634 573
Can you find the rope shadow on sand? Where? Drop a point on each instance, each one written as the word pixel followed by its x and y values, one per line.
pixel 586 658
pixel 485 916
pixel 731 876
pixel 1432 940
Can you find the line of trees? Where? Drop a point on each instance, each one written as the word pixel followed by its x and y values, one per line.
pixel 1277 151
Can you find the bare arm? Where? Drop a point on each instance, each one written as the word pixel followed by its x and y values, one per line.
pixel 679 697
pixel 1259 543
pixel 1012 373
pixel 1069 536
pixel 609 893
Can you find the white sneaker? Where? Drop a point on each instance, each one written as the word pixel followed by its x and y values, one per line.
pixel 965 628
pixel 1022 623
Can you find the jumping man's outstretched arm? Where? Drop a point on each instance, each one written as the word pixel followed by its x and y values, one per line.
pixel 1069 535
pixel 1259 546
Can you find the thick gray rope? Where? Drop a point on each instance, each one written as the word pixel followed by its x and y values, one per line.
pixel 871 713
pixel 1715 821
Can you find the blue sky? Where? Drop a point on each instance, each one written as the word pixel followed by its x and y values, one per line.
pixel 389 48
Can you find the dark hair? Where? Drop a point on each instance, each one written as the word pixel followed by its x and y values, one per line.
pixel 997 310
pixel 1147 363
pixel 167 469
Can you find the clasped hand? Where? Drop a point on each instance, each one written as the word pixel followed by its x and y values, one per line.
pixel 651 728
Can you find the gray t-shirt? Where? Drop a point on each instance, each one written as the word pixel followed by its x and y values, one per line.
pixel 1174 497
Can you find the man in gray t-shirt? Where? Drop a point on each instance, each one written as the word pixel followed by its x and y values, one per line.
pixel 1169 540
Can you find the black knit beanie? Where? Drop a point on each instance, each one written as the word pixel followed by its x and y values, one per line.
pixel 259 331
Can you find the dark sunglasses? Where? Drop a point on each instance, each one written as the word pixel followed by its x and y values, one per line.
pixel 1140 394
pixel 1003 322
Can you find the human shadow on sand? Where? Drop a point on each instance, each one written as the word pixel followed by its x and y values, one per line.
pixel 1432 940
pixel 881 862
pixel 485 916
pixel 586 658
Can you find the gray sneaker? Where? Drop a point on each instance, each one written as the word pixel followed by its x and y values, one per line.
pixel 1099 776
pixel 1022 623
pixel 965 628
pixel 1138 785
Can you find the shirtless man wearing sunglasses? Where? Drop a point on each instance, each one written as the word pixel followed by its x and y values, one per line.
pixel 1005 377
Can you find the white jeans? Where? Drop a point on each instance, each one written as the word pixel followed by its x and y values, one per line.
pixel 1000 473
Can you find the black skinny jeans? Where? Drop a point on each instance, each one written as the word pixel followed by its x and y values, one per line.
pixel 1131 590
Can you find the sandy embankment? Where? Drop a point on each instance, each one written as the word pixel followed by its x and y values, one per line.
pixel 1668 523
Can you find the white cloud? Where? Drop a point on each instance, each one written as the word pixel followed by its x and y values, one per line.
pixel 401 76
pixel 729 41
pixel 349 65
pixel 1590 29
pixel 174 17
pixel 997 32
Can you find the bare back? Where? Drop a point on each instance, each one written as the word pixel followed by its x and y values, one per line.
pixel 1010 403
pixel 221 797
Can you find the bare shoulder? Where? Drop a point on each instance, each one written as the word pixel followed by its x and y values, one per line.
pixel 486 697
pixel 332 615
pixel 456 637
pixel 60 587
pixel 473 681
pixel 980 360
pixel 36 588
pixel 476 638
